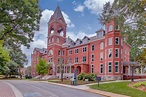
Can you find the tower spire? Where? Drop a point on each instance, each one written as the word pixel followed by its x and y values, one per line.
pixel 57 14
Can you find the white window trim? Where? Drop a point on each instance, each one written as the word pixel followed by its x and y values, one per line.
pixel 101 54
pixel 69 52
pixel 110 41
pixel 84 47
pixel 110 28
pixel 93 68
pixel 115 66
pixel 91 47
pixel 91 58
pixel 118 53
pixel 108 66
pixel 111 52
pixel 118 40
pixel 101 45
pixel 75 50
pixel 102 69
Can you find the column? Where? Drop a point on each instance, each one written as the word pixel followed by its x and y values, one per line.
pixel 129 70
pixel 141 70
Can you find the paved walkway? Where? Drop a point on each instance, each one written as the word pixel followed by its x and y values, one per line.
pixel 7 90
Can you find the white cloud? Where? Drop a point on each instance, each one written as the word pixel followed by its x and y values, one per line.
pixel 67 20
pixel 95 6
pixel 79 35
pixel 79 8
pixel 40 38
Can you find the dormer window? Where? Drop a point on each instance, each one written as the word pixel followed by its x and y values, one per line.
pixel 110 28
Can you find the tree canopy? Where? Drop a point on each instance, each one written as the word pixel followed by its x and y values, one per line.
pixel 19 19
pixel 130 16
pixel 42 67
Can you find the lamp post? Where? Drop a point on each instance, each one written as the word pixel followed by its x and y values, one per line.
pixel 132 77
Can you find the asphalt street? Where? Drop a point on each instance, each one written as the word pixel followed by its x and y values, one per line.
pixel 40 89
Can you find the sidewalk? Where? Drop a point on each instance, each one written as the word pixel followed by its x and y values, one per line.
pixel 7 90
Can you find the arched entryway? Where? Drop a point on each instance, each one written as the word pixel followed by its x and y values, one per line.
pixel 79 69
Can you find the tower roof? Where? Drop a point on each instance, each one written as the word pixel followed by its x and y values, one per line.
pixel 57 14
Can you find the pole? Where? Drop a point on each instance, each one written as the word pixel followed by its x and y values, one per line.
pixel 132 78
pixel 75 76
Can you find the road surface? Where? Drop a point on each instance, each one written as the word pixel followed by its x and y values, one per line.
pixel 40 89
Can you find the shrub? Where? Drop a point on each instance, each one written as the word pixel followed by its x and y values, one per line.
pixel 81 76
pixel 90 77
pixel 28 76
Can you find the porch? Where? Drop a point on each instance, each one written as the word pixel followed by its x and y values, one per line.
pixel 133 70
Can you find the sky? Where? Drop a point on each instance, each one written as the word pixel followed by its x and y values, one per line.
pixel 81 17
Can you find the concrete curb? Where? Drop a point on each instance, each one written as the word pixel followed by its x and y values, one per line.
pixel 16 91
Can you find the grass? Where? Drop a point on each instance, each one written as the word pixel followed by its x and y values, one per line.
pixel 139 83
pixel 120 88
pixel 79 82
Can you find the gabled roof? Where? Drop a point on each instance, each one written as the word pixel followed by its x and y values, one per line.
pixel 100 30
pixel 86 37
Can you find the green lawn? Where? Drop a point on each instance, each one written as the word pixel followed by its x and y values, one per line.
pixel 139 83
pixel 120 88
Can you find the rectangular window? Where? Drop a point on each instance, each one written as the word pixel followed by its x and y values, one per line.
pixel 92 48
pixel 109 53
pixel 116 53
pixel 116 67
pixel 92 58
pixel 76 60
pixel 110 41
pixel 101 68
pixel 62 52
pixel 84 59
pixel 59 52
pixel 101 55
pixel 117 40
pixel 109 66
pixel 92 68
pixel 84 49
pixel 76 50
pixel 70 52
pixel 69 60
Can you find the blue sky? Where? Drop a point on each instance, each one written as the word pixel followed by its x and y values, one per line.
pixel 81 17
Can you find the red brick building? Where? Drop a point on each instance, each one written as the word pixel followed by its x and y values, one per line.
pixel 102 54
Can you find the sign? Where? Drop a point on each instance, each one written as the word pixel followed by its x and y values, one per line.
pixel 98 78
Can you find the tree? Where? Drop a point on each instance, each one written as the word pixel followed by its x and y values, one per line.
pixel 18 21
pixel 19 18
pixel 142 56
pixel 4 58
pixel 42 67
pixel 28 70
pixel 130 16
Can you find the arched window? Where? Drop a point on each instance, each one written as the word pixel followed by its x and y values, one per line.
pixel 50 52
pixel 101 45
pixel 60 31
pixel 52 31
pixel 57 40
